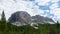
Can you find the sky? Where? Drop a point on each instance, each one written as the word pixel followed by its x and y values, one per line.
pixel 46 8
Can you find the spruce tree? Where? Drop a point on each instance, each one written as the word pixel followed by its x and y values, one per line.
pixel 3 19
pixel 3 22
pixel 58 27
pixel 58 24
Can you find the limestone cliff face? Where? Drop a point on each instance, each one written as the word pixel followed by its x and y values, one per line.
pixel 41 19
pixel 23 18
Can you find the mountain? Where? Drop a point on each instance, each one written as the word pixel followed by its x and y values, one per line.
pixel 41 19
pixel 20 17
pixel 23 18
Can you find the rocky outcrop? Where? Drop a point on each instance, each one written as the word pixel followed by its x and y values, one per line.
pixel 20 17
pixel 41 19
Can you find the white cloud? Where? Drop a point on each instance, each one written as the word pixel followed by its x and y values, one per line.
pixel 0 13
pixel 42 2
pixel 53 6
pixel 10 6
pixel 54 1
pixel 54 18
pixel 56 12
pixel 46 10
pixel 51 17
pixel 38 12
pixel 45 15
pixel 0 17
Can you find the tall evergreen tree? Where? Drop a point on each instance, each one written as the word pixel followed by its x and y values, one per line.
pixel 58 27
pixel 3 22
pixel 58 24
pixel 3 19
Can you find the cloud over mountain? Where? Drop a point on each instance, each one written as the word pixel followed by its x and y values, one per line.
pixel 41 7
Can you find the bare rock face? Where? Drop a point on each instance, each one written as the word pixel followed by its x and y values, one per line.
pixel 20 17
pixel 42 20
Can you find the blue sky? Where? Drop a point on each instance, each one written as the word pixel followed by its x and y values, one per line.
pixel 46 8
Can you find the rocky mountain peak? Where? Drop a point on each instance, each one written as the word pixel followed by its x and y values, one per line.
pixel 23 18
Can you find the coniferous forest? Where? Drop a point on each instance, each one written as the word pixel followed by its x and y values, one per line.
pixel 8 28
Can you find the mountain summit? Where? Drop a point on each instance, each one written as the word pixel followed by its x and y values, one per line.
pixel 23 18
pixel 20 17
pixel 41 19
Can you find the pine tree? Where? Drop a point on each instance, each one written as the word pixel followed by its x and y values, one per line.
pixel 58 27
pixel 0 22
pixel 58 24
pixel 3 19
pixel 3 22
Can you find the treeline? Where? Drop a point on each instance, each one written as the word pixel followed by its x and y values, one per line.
pixel 8 28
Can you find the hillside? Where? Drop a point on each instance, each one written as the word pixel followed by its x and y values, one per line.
pixel 46 28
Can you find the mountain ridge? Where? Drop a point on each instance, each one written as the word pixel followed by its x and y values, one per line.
pixel 22 17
